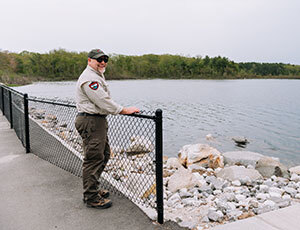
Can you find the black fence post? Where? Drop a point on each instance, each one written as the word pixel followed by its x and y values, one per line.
pixel 26 117
pixel 159 166
pixel 2 97
pixel 10 110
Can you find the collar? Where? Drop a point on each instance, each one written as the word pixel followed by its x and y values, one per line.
pixel 95 71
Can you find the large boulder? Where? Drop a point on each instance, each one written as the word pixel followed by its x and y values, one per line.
pixel 235 172
pixel 202 155
pixel 241 158
pixel 182 178
pixel 268 166
pixel 295 169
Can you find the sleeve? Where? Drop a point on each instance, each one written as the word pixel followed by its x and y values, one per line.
pixel 96 93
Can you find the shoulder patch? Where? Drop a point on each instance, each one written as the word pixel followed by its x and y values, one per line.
pixel 94 85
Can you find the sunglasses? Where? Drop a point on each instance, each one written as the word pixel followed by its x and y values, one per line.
pixel 103 58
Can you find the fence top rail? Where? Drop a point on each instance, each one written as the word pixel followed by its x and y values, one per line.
pixel 53 101
pixel 142 114
pixel 11 90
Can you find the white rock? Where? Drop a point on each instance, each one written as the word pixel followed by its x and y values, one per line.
pixel 182 178
pixel 234 214
pixel 263 188
pixel 297 196
pixel 229 189
pixel 245 180
pixel 198 176
pixel 262 196
pixel 232 173
pixel 275 190
pixel 231 206
pixel 274 178
pixel 295 169
pixel 217 183
pixel 236 183
pixel 284 203
pixel 202 155
pixel 240 198
pixel 215 215
pixel 189 201
pixel 253 204
pixel 286 197
pixel 268 166
pixel 250 167
pixel 188 224
pixel 290 191
pixel 241 158
pixel 276 197
pixel 217 192
pixel 184 193
pixel 175 196
pixel 270 203
pixel 226 196
pixel 196 168
pixel 151 213
pixel 218 170
pixel 173 163
pixel 295 177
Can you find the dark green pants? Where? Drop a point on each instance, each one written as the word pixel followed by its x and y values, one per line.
pixel 93 130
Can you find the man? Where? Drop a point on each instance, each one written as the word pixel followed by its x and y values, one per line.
pixel 93 103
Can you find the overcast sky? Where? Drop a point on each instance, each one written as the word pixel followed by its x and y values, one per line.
pixel 242 30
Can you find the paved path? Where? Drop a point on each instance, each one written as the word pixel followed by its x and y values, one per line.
pixel 35 195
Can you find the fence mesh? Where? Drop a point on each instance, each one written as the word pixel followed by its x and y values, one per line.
pixel 12 105
pixel 18 119
pixel 6 104
pixel 131 168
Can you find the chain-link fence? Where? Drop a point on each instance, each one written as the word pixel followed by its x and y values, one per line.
pixel 46 128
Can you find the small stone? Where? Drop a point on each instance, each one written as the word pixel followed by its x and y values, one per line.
pixel 240 198
pixel 270 203
pixel 253 204
pixel 290 191
pixel 297 196
pixel 217 192
pixel 295 170
pixel 295 177
pixel 236 183
pixel 262 196
pixel 286 197
pixel 263 188
pixel 234 215
pixel 205 219
pixel 188 201
pixel 183 193
pixel 215 215
pixel 274 178
pixel 276 190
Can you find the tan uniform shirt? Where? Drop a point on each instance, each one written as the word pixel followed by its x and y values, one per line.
pixel 93 95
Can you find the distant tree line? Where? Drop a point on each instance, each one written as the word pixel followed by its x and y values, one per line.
pixel 63 65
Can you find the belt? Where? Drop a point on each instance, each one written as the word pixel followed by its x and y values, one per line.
pixel 90 114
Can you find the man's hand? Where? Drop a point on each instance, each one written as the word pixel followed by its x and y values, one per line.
pixel 129 110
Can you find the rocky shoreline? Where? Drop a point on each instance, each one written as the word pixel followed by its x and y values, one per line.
pixel 202 187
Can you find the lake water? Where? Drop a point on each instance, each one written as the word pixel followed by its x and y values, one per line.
pixel 266 112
